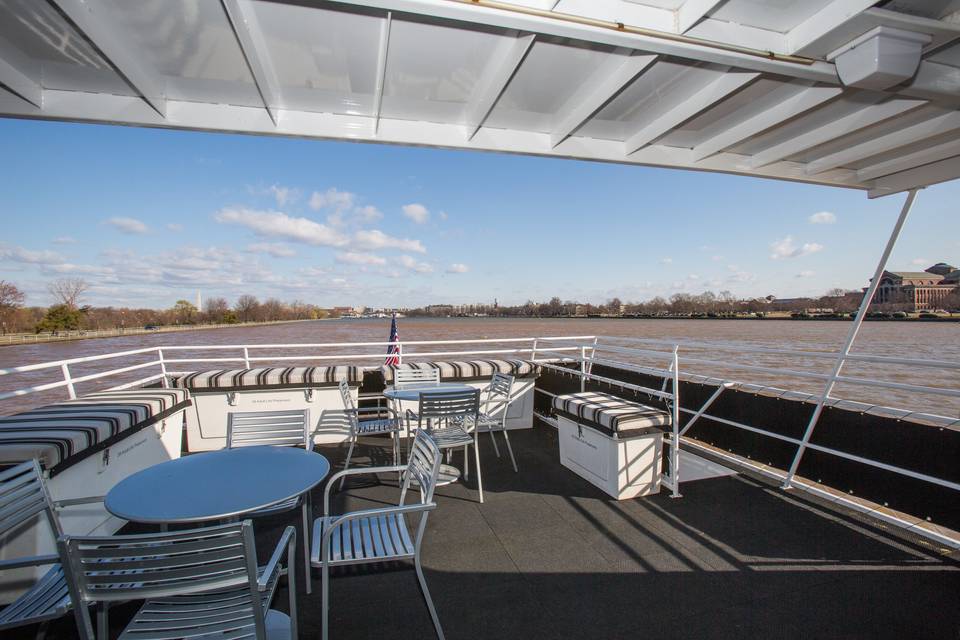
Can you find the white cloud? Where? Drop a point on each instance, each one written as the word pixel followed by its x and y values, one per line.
pixel 717 258
pixel 374 239
pixel 64 240
pixel 666 261
pixel 27 256
pixel 458 267
pixel 693 276
pixel 175 227
pixel 128 225
pixel 443 215
pixel 367 213
pixel 786 248
pixel 331 198
pixel 275 249
pixel 283 195
pixel 409 262
pixel 920 262
pixel 823 217
pixel 358 257
pixel 416 212
pixel 805 274
pixel 280 225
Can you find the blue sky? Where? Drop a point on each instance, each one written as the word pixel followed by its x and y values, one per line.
pixel 151 216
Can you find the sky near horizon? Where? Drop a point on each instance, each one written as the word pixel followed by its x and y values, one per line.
pixel 150 216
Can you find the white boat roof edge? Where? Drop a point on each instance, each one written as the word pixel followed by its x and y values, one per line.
pixel 831 92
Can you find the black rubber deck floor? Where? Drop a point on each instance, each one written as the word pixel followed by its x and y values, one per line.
pixel 549 556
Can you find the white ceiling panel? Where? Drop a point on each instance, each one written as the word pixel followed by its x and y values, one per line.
pixel 775 15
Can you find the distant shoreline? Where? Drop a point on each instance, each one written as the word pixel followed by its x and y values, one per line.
pixel 600 317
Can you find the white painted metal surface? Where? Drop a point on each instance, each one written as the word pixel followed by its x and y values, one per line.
pixel 741 86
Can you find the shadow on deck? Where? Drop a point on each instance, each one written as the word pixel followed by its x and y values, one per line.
pixel 549 556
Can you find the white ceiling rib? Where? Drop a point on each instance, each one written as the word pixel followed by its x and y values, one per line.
pixel 464 75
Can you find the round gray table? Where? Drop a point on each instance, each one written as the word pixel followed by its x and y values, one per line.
pixel 216 485
pixel 411 393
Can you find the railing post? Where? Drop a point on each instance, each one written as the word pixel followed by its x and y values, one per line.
pixel 593 353
pixel 583 368
pixel 851 337
pixel 163 368
pixel 533 351
pixel 66 376
pixel 246 357
pixel 675 419
pixel 399 352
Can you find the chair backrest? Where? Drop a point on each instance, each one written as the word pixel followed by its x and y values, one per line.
pixel 439 409
pixel 274 428
pixel 23 495
pixel 422 466
pixel 160 565
pixel 403 377
pixel 499 393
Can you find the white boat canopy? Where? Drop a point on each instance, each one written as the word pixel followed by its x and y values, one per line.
pixel 850 93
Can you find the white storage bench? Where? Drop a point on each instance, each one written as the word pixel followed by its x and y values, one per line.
pixel 477 373
pixel 612 443
pixel 85 447
pixel 216 393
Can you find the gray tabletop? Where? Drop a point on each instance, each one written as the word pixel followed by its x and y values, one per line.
pixel 413 391
pixel 216 485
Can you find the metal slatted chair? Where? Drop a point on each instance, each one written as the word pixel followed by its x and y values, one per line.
pixel 378 425
pixel 202 582
pixel 276 429
pixel 379 535
pixel 407 377
pixel 450 417
pixel 23 497
pixel 493 416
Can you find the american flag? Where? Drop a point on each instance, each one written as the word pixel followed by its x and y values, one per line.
pixel 393 351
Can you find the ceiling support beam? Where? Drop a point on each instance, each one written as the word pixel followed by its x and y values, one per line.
pixel 834 129
pixel 910 160
pixel 939 125
pixel 935 81
pixel 93 22
pixel 688 107
pixel 924 176
pixel 503 64
pixel 603 85
pixel 801 101
pixel 693 11
pixel 382 56
pixel 21 84
pixel 833 16
pixel 254 49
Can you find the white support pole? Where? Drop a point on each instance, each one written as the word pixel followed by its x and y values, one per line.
pixel 593 353
pixel 163 368
pixel 533 351
pixel 71 392
pixel 399 352
pixel 246 357
pixel 583 368
pixel 851 336
pixel 675 419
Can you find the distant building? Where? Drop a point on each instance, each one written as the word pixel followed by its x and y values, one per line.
pixel 918 290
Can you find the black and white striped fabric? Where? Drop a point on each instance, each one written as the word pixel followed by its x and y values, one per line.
pixel 268 378
pixel 462 370
pixel 610 414
pixel 60 435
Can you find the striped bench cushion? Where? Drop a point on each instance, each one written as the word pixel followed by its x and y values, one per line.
pixel 268 378
pixel 610 414
pixel 62 434
pixel 469 369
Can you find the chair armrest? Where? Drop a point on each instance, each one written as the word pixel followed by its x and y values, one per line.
pixel 350 472
pixel 72 502
pixel 287 541
pixel 31 561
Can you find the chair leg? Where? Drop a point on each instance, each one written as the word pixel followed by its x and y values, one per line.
pixel 509 449
pixel 346 464
pixel 466 463
pixel 325 600
pixel 476 453
pixel 496 449
pixel 103 622
pixel 305 510
pixel 426 597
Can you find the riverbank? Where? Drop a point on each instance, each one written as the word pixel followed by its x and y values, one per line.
pixel 63 336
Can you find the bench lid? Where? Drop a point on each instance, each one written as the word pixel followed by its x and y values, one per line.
pixel 610 414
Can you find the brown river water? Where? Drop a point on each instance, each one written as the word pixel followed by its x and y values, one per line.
pixel 919 340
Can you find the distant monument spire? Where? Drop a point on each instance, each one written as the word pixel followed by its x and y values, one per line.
pixel 199 301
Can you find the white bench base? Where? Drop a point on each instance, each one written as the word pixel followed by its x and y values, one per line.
pixel 89 477
pixel 623 468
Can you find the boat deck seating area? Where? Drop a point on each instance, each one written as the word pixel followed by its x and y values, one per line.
pixel 62 434
pixel 223 380
pixel 611 415
pixel 468 370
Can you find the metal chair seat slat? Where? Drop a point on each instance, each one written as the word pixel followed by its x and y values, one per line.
pixel 379 426
pixel 47 599
pixel 377 538
pixel 450 437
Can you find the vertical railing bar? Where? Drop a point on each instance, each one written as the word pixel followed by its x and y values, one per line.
pixel 399 352
pixel 246 357
pixel 65 370
pixel 675 419
pixel 851 336
pixel 163 368
pixel 583 368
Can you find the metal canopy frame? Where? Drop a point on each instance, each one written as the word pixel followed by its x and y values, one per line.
pixel 708 86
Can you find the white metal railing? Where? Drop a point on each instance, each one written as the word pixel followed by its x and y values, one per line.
pixel 639 355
